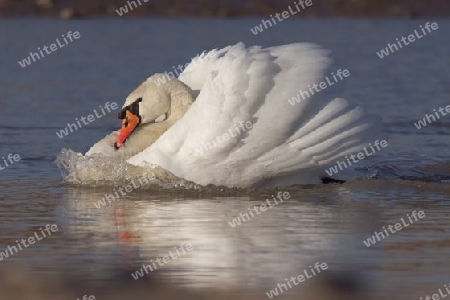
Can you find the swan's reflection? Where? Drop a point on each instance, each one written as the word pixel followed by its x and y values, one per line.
pixel 262 252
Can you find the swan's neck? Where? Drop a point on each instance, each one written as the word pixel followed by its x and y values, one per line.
pixel 143 137
pixel 181 97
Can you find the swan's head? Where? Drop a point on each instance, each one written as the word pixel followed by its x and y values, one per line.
pixel 150 103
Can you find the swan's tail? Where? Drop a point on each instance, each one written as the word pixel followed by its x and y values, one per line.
pixel 326 144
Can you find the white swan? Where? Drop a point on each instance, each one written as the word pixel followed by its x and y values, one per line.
pixel 227 120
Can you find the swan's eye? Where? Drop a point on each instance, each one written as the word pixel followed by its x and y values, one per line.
pixel 134 108
pixel 122 114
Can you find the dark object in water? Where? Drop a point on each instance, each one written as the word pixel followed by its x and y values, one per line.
pixel 327 180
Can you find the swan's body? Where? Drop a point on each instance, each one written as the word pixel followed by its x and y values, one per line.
pixel 284 145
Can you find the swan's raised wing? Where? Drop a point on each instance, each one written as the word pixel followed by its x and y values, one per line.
pixel 242 130
pixel 201 67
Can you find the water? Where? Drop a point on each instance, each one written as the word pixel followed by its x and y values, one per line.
pixel 321 223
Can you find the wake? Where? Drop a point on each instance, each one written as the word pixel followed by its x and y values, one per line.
pixel 99 170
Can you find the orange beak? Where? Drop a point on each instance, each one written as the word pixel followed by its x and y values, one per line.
pixel 129 124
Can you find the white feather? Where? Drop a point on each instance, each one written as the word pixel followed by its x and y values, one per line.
pixel 286 145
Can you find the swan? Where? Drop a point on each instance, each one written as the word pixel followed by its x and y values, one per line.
pixel 226 120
